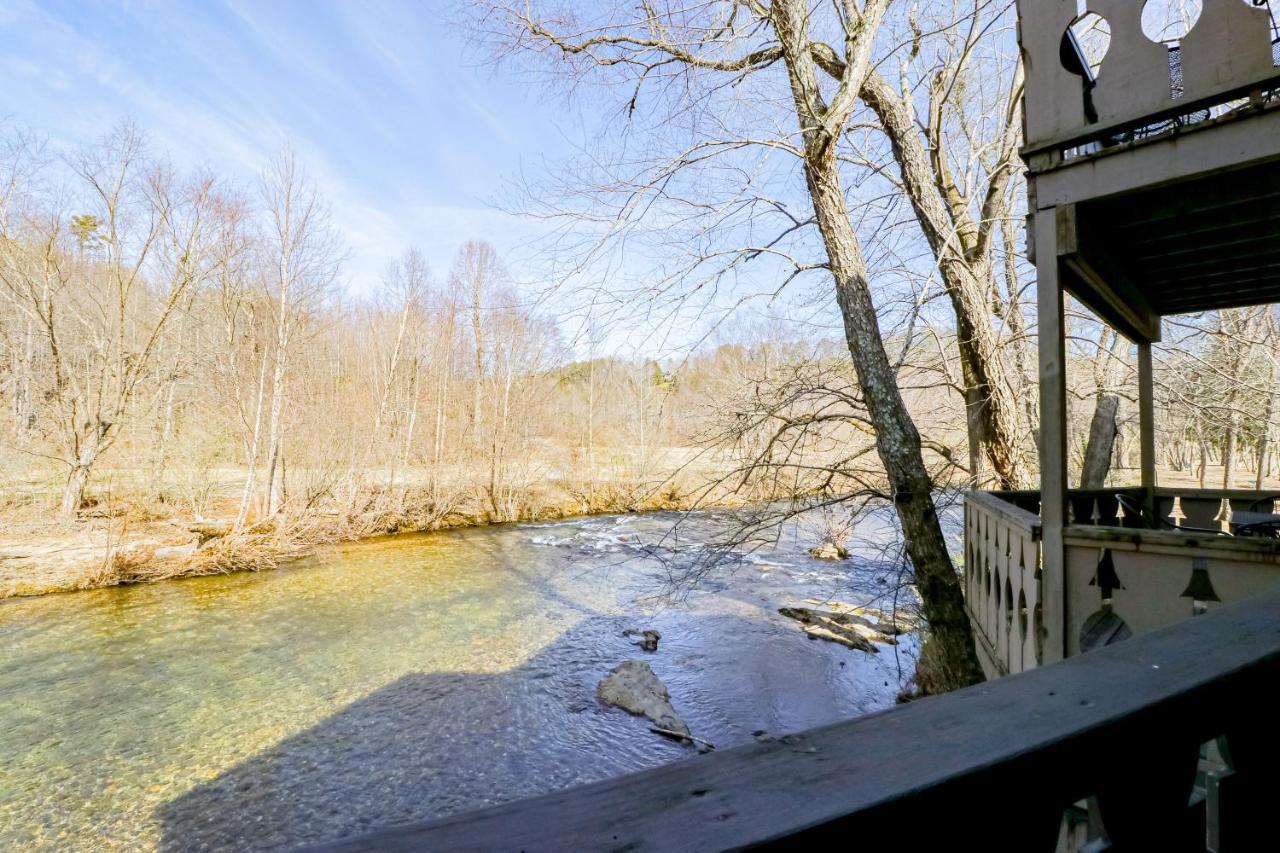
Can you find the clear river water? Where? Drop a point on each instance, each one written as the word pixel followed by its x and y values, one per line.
pixel 405 678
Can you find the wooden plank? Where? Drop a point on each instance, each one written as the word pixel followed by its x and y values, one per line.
pixel 1027 745
pixel 1180 545
pixel 1231 198
pixel 1206 232
pixel 1099 280
pixel 1202 150
pixel 1026 521
pixel 1251 268
pixel 1224 261
pixel 1214 494
pixel 1206 293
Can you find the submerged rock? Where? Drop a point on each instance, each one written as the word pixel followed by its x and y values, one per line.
pixel 633 687
pixel 648 640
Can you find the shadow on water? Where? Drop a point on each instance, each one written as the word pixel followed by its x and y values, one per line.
pixel 432 744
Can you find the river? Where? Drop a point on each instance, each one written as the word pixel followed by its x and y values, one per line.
pixel 405 678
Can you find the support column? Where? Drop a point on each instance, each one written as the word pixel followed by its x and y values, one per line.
pixel 1053 433
pixel 1147 423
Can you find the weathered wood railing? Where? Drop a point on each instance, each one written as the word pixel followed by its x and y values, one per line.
pixel 993 765
pixel 1002 581
pixel 1210 508
pixel 1151 562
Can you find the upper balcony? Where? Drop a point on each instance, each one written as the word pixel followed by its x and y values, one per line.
pixel 1139 81
pixel 1157 166
pixel 1153 189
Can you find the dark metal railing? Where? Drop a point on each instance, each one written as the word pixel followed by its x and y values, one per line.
pixel 994 765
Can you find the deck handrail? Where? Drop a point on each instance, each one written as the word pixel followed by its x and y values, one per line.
pixel 996 505
pixel 1002 759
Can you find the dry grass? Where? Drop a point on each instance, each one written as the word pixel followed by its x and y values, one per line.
pixel 121 541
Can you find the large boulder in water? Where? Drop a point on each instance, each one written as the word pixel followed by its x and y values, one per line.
pixel 633 687
pixel 829 551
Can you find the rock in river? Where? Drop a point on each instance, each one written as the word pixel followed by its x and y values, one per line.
pixel 843 627
pixel 648 640
pixel 633 687
pixel 829 551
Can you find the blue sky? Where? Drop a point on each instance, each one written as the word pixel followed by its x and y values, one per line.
pixel 407 133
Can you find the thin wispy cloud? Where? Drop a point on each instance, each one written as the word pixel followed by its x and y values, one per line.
pixel 405 137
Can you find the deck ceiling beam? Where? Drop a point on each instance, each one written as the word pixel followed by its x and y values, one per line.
pixel 1100 280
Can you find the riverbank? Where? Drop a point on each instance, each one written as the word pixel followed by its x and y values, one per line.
pixel 132 541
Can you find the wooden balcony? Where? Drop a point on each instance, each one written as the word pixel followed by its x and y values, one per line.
pixel 1228 54
pixel 1167 734
pixel 1145 581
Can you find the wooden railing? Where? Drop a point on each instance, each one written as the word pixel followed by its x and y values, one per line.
pixel 1210 508
pixel 1155 549
pixel 991 766
pixel 1002 581
pixel 1084 506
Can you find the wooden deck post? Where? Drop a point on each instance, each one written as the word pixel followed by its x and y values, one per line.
pixel 1053 431
pixel 1147 423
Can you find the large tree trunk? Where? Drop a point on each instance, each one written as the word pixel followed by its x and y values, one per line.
pixel 407 447
pixel 275 435
pixel 82 459
pixel 252 451
pixel 160 460
pixel 949 659
pixel 73 492
pixel 970 281
pixel 477 332
pixel 1102 439
pixel 442 422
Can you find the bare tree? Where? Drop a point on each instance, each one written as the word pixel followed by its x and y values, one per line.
pixel 475 275
pixel 395 362
pixel 780 48
pixel 81 282
pixel 303 261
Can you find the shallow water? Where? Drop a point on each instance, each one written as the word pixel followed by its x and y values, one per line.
pixel 403 678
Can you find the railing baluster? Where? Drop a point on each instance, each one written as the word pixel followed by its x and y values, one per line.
pixel 1143 800
pixel 1224 515
pixel 1240 798
pixel 988 610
